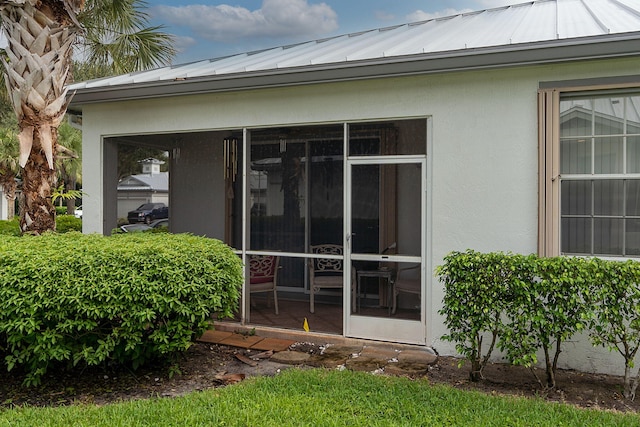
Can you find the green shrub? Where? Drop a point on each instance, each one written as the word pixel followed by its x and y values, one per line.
pixel 10 228
pixel 476 292
pixel 69 299
pixel 522 303
pixel 526 304
pixel 616 324
pixel 66 223
pixel 551 302
pixel 61 210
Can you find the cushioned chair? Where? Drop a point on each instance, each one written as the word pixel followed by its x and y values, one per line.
pixel 327 273
pixel 263 276
pixel 407 282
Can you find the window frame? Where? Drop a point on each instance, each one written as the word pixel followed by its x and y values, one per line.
pixel 549 176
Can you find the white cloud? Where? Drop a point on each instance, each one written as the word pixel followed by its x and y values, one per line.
pixel 182 43
pixel 420 15
pixel 384 16
pixel 276 18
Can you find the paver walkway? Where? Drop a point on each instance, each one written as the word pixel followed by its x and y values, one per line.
pixel 252 342
pixel 378 357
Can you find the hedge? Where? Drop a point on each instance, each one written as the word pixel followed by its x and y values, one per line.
pixel 524 304
pixel 70 299
pixel 64 224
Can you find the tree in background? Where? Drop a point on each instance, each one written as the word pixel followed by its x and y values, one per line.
pixel 70 160
pixel 9 167
pixel 117 40
pixel 41 36
pixel 129 157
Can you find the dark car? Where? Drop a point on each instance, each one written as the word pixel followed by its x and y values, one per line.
pixel 148 212
pixel 162 224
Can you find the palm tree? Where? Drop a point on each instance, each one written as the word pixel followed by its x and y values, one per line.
pixel 69 163
pixel 117 40
pixel 41 36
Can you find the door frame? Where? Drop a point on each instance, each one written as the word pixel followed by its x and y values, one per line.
pixel 382 328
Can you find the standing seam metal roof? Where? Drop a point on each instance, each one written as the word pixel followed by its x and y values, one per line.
pixel 506 28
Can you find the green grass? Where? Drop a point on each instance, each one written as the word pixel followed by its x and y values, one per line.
pixel 323 398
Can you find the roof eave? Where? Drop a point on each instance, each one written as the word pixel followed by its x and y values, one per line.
pixel 586 48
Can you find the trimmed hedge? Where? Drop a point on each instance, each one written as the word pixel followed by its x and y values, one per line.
pixel 524 304
pixel 67 223
pixel 10 227
pixel 69 299
pixel 64 224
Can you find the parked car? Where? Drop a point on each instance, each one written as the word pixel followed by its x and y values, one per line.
pixel 132 228
pixel 148 212
pixel 78 212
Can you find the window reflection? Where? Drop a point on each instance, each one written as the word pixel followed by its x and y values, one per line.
pixel 400 137
pixel 599 165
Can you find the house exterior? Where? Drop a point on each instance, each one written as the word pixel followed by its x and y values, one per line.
pixel 510 129
pixel 151 186
pixel 4 206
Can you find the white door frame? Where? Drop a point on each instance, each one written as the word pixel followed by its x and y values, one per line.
pixel 385 328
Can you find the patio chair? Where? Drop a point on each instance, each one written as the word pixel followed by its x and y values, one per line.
pixel 328 273
pixel 263 276
pixel 406 282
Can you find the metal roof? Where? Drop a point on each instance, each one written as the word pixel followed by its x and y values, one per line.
pixel 533 32
pixel 145 182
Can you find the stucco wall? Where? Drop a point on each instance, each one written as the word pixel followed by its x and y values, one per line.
pixel 482 178
pixel 4 207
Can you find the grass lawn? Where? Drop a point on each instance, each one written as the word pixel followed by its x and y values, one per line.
pixel 323 398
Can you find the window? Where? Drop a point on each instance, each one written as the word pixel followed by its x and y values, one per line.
pixel 595 147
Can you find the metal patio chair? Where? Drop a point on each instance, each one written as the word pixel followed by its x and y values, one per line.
pixel 263 276
pixel 325 273
pixel 405 282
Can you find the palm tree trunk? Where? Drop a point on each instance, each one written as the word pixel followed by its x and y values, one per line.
pixel 40 35
pixel 71 203
pixel 38 181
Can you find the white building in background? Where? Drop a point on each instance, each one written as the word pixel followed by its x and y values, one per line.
pixel 4 206
pixel 151 186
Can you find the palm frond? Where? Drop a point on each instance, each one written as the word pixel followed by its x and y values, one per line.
pixel 117 37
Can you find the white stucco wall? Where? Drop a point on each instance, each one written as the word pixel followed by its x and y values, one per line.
pixel 483 152
pixel 4 207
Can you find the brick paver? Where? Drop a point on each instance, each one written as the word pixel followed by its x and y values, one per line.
pixel 214 337
pixel 239 340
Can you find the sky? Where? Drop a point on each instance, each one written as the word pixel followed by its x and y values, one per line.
pixel 212 29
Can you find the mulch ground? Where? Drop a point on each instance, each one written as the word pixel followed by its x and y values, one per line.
pixel 207 366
